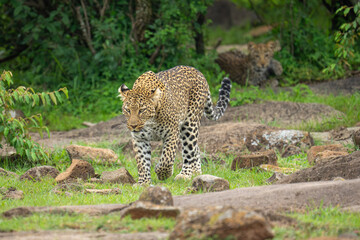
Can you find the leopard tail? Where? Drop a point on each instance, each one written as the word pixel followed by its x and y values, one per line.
pixel 215 112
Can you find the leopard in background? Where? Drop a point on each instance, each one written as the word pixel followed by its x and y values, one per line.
pixel 256 68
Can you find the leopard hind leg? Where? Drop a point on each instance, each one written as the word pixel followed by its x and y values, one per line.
pixel 190 150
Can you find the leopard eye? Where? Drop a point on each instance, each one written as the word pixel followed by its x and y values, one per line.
pixel 141 110
pixel 126 110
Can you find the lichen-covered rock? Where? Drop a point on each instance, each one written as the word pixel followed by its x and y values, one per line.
pixel 263 138
pixel 254 159
pixel 78 169
pixel 221 222
pixel 100 155
pixel 118 176
pixel 104 191
pixel 157 195
pixel 5 173
pixel 38 173
pixel 148 210
pixel 313 151
pixel 209 183
pixel 13 193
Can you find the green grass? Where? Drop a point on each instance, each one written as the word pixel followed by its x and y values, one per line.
pixel 313 222
pixel 321 221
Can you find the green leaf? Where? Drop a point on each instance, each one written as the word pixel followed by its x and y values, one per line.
pixel 65 91
pixel 58 95
pixel 33 156
pixel 42 96
pixel 36 99
pixel 53 98
pixel 6 131
pixel 346 11
pixel 356 8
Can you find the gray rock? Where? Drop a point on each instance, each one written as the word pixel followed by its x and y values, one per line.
pixel 118 176
pixel 148 210
pixel 209 183
pixel 38 173
pixel 12 193
pixel 157 195
pixel 104 191
pixel 5 173
pixel 221 222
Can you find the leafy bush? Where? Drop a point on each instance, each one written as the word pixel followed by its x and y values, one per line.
pixel 15 131
pixel 346 39
pixel 91 47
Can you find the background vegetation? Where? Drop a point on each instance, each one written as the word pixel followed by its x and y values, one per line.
pixel 92 47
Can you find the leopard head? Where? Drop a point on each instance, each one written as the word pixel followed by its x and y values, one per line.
pixel 261 54
pixel 140 103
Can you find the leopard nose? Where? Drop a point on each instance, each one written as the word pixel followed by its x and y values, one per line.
pixel 133 126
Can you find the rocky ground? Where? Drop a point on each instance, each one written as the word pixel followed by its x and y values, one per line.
pixel 244 127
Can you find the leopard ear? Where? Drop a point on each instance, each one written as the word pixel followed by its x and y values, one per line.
pixel 123 91
pixel 274 45
pixel 251 45
pixel 156 95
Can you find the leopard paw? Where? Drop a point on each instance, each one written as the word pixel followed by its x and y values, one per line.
pixel 182 177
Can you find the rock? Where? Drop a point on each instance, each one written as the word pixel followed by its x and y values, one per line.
pixel 263 138
pixel 118 176
pixel 275 177
pixel 88 124
pixel 290 151
pixel 95 180
pixel 12 193
pixel 327 155
pixel 99 155
pixel 340 134
pixel 209 183
pixel 254 160
pixel 157 195
pixel 311 153
pixel 148 210
pixel 272 168
pixel 221 222
pixel 347 167
pixel 5 173
pixel 38 173
pixel 104 191
pixel 78 169
pixel 356 137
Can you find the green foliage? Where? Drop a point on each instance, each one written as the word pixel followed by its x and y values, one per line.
pixel 15 131
pixel 54 51
pixel 346 39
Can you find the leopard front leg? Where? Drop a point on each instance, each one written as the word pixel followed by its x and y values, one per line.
pixel 142 150
pixel 164 169
pixel 190 150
